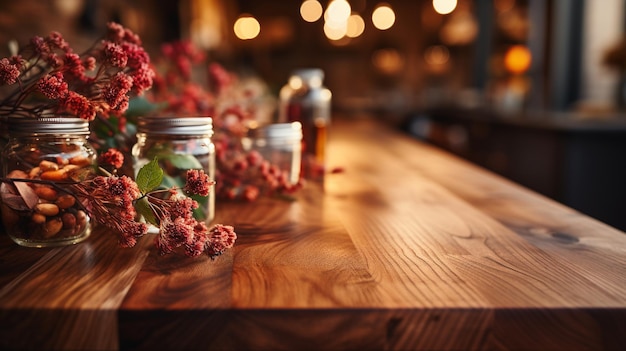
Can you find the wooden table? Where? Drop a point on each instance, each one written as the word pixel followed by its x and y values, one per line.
pixel 408 248
pixel 567 156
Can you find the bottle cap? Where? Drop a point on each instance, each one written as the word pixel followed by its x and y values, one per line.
pixel 289 131
pixel 307 74
pixel 310 76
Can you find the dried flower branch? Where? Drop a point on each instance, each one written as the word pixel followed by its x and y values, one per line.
pixel 46 78
pixel 103 198
pixel 170 210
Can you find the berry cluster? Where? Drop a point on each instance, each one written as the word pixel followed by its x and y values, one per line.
pixel 46 78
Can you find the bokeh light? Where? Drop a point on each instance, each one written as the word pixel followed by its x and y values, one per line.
pixel 503 5
pixel 461 28
pixel 388 61
pixel 311 10
pixel 246 27
pixel 444 7
pixel 337 13
pixel 437 55
pixel 517 59
pixel 356 26
pixel 335 32
pixel 383 17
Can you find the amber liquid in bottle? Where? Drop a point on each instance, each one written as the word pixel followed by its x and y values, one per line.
pixel 319 140
pixel 314 134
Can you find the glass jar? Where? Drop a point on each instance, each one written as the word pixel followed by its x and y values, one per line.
pixel 304 99
pixel 179 144
pixel 280 144
pixel 43 156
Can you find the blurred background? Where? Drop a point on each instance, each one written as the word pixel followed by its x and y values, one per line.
pixel 534 90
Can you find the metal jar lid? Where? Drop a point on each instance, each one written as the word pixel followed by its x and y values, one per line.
pixel 21 126
pixel 283 131
pixel 175 125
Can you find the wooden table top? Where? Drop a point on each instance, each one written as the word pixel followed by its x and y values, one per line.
pixel 408 248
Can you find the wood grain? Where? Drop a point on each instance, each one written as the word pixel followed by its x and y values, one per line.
pixel 69 297
pixel 409 248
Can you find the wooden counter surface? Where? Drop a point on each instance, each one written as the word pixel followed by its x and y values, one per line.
pixel 408 248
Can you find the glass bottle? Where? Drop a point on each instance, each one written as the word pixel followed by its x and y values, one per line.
pixel 304 99
pixel 44 156
pixel 179 144
pixel 280 144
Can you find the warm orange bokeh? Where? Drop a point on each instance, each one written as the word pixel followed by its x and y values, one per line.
pixel 517 59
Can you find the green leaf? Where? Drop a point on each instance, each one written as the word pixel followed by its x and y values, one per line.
pixel 172 182
pixel 140 106
pixel 149 176
pixel 142 206
pixel 181 161
pixel 184 161
pixel 200 213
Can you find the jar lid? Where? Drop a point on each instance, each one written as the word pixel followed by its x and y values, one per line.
pixel 175 125
pixel 289 131
pixel 47 125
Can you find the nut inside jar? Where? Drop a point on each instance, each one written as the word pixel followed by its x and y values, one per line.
pixel 35 207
